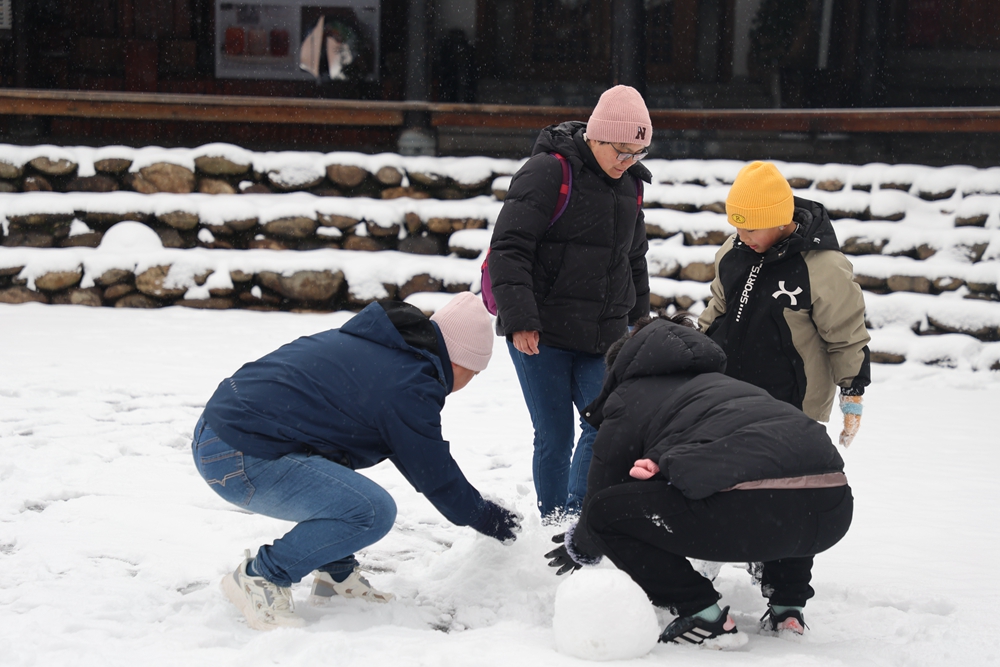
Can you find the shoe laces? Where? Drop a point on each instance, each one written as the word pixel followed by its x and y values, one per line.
pixel 282 596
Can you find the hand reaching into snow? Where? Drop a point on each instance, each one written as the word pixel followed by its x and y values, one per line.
pixel 851 407
pixel 566 557
pixel 560 556
pixel 499 523
pixel 644 469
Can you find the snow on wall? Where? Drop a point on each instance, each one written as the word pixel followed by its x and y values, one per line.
pixel 906 228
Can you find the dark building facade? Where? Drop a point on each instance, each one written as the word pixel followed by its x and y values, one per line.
pixel 712 54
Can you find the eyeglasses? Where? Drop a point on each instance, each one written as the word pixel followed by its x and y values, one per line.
pixel 625 157
pixel 622 157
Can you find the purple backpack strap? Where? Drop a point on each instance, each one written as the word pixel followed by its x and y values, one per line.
pixel 562 202
pixel 486 286
pixel 565 188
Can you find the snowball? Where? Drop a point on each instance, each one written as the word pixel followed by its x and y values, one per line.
pixel 603 615
pixel 130 236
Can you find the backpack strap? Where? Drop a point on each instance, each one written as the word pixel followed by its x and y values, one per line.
pixel 638 192
pixel 565 188
pixel 562 202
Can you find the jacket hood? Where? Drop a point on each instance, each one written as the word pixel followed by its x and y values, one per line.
pixel 663 347
pixel 660 348
pixel 815 230
pixel 567 139
pixel 402 326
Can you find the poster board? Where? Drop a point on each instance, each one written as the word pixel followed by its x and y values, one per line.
pixel 6 19
pixel 263 39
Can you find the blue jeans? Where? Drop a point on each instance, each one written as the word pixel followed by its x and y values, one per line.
pixel 337 511
pixel 553 381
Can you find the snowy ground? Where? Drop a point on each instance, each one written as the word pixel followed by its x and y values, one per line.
pixel 111 546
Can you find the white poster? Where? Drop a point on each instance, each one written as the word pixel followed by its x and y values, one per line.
pixel 6 20
pixel 323 40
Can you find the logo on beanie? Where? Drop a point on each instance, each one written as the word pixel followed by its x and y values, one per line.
pixel 641 133
pixel 738 219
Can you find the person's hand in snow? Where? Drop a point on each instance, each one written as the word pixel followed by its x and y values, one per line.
pixel 499 523
pixel 566 557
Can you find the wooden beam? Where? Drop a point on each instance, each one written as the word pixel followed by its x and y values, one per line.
pixel 503 116
pixel 288 110
pixel 923 120
pixel 198 108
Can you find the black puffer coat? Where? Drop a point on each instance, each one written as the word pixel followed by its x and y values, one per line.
pixel 580 282
pixel 665 398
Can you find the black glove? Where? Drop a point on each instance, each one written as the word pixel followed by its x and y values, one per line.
pixel 498 522
pixel 559 557
pixel 566 557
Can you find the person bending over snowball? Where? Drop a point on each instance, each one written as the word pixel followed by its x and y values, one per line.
pixel 284 436
pixel 691 463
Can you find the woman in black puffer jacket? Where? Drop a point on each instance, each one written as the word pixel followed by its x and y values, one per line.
pixel 565 290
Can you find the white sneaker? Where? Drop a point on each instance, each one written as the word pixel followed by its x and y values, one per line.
pixel 266 606
pixel 355 586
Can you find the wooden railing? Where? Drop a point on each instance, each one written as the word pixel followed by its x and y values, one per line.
pixel 286 110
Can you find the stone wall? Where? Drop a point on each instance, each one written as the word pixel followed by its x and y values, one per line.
pixel 230 235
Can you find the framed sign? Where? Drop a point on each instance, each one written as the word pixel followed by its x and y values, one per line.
pixel 322 40
pixel 6 19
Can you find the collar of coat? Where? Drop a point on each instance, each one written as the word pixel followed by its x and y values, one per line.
pixel 402 326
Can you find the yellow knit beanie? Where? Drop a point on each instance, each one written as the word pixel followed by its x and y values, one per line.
pixel 760 198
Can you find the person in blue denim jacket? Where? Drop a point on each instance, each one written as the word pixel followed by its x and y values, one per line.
pixel 285 434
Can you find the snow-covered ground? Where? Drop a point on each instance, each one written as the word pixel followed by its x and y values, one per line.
pixel 111 546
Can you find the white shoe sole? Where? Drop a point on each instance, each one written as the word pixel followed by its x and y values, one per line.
pixel 727 641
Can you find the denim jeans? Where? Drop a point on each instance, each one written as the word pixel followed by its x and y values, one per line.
pixel 553 381
pixel 337 511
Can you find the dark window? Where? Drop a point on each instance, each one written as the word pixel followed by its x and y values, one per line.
pixel 562 31
pixel 660 31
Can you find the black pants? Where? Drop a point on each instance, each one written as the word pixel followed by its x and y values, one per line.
pixel 649 529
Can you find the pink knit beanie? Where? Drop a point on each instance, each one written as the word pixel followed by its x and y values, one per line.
pixel 620 117
pixel 467 330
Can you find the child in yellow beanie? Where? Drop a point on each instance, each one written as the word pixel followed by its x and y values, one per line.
pixel 785 307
